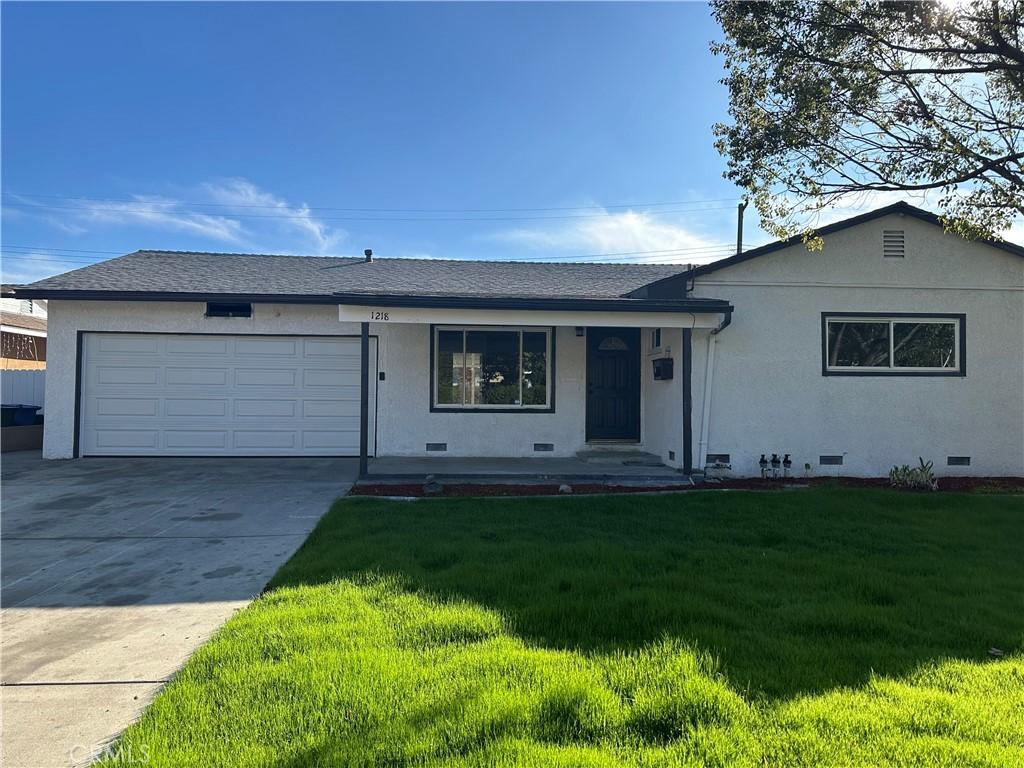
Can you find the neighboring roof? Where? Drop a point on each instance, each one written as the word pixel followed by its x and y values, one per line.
pixel 28 322
pixel 669 285
pixel 184 274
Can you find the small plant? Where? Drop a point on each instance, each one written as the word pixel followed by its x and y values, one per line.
pixel 807 469
pixel 920 478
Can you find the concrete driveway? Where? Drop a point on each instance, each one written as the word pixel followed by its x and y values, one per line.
pixel 115 570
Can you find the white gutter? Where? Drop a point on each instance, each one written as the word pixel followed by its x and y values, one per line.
pixel 709 376
pixel 22 331
pixel 705 425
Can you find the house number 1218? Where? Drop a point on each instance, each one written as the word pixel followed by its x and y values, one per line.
pixel 378 315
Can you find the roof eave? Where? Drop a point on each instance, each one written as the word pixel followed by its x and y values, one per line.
pixel 547 303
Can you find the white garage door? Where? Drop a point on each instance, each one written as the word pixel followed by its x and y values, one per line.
pixel 197 395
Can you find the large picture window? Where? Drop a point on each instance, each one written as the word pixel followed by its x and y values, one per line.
pixel 491 368
pixel 900 344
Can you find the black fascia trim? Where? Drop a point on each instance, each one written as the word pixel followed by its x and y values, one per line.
pixel 75 445
pixel 552 331
pixel 667 284
pixel 687 372
pixel 551 303
pixel 240 298
pixel 960 372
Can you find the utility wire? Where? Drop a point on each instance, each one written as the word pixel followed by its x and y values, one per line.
pixel 159 201
pixel 29 252
pixel 165 211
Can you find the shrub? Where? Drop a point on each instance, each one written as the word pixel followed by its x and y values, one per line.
pixel 920 478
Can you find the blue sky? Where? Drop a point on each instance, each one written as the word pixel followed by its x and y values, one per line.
pixel 446 131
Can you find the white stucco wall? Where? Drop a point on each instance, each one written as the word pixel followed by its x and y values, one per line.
pixel 405 423
pixel 769 394
pixel 661 414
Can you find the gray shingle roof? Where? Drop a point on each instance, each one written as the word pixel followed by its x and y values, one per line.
pixel 169 272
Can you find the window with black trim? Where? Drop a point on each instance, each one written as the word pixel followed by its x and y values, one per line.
pixel 228 309
pixel 870 343
pixel 487 368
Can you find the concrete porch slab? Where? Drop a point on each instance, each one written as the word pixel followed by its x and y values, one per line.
pixel 510 470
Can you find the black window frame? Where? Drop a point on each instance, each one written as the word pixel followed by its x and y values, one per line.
pixel 230 309
pixel 517 409
pixel 959 371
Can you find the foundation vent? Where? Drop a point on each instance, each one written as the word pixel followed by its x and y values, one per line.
pixel 437 446
pixel 958 461
pixel 893 242
pixel 544 446
pixel 830 461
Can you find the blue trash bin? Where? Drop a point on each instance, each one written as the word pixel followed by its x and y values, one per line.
pixel 25 416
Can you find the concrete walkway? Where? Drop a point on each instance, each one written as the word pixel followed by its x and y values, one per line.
pixel 115 570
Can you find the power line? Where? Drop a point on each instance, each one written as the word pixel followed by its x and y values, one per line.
pixel 372 210
pixel 45 249
pixel 48 248
pixel 180 213
pixel 42 256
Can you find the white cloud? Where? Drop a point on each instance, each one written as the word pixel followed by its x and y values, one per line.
pixel 615 233
pixel 162 213
pixel 245 197
pixel 243 215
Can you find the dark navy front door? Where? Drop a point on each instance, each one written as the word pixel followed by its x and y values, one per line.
pixel 613 384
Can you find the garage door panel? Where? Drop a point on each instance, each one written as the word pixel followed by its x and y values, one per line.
pixel 128 344
pixel 265 377
pixel 264 347
pixel 126 406
pixel 328 378
pixel 317 439
pixel 265 408
pixel 339 348
pixel 196 439
pixel 222 395
pixel 192 407
pixel 264 438
pixel 133 439
pixel 326 409
pixel 108 374
pixel 196 345
pixel 196 377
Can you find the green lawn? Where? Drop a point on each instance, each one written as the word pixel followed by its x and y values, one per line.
pixel 819 627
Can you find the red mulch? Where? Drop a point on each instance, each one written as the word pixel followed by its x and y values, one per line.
pixel 959 484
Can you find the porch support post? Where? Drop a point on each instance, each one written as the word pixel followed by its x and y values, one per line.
pixel 687 370
pixel 364 397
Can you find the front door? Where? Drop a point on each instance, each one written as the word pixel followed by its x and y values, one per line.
pixel 613 384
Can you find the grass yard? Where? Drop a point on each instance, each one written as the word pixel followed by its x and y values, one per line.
pixel 825 627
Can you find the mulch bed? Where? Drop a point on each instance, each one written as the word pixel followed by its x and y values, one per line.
pixel 958 484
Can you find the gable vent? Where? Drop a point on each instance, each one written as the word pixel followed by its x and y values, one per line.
pixel 893 242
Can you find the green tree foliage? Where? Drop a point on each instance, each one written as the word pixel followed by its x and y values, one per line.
pixel 831 99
